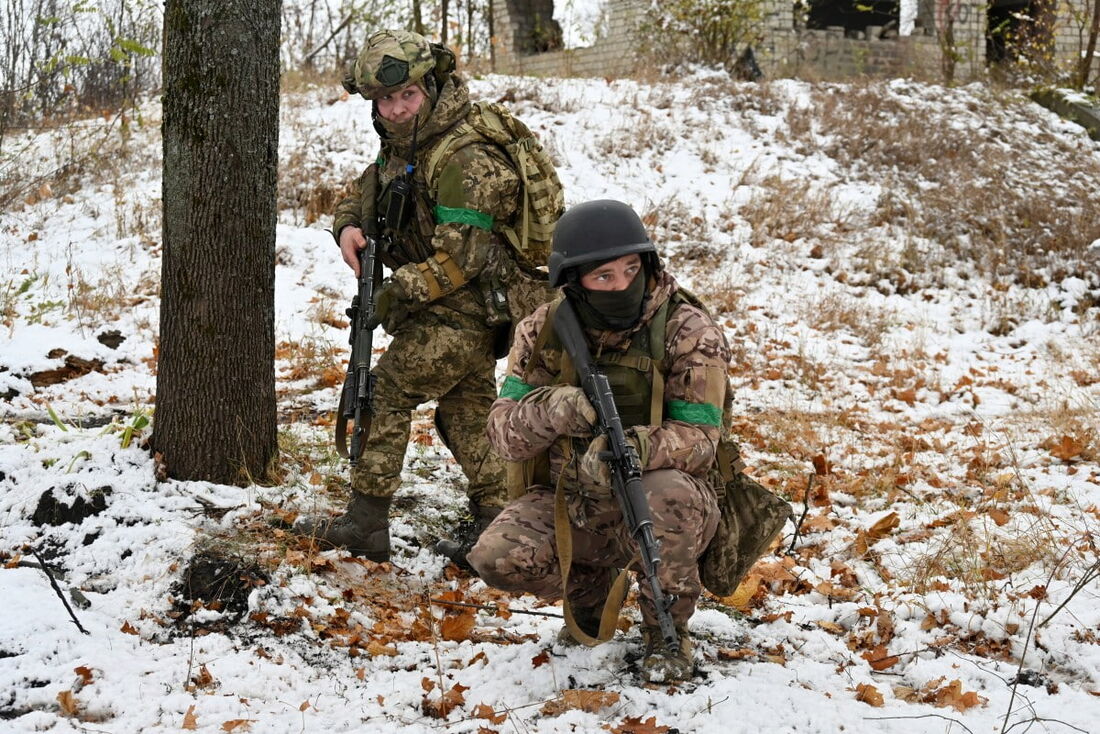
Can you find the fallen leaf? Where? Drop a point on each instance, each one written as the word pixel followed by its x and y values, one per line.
pixel 953 695
pixel 129 629
pixel 361 674
pixel 880 659
pixel 457 627
pixel 480 656
pixel 832 627
pixel 541 659
pixel 868 694
pixel 883 526
pixel 485 711
pixel 190 721
pixel 304 706
pixel 742 653
pixel 583 700
pixel 68 703
pixel 1067 448
pixel 822 466
pixel 85 674
pixel 376 648
pixel 743 594
pixel 234 724
pixel 635 725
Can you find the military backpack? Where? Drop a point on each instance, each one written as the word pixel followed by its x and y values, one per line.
pixel 542 198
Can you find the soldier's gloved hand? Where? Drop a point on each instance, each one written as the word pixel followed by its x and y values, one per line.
pixel 568 411
pixel 389 306
pixel 593 469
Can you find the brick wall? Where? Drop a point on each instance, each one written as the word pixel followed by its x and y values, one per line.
pixel 786 50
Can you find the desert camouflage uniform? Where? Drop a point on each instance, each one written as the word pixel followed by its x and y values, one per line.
pixel 518 551
pixel 446 261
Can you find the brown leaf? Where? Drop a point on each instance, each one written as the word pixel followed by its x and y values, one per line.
pixel 868 694
pixel 68 703
pixel 457 627
pixel 742 653
pixel 1067 448
pixel 880 659
pixel 190 721
pixel 203 678
pixel 304 706
pixel 234 724
pixel 376 648
pixel 883 526
pixel 85 674
pixel 953 695
pixel 742 596
pixel 999 516
pixel 635 725
pixel 822 466
pixel 832 627
pixel 541 659
pixel 129 629
pixel 485 711
pixel 427 684
pixel 583 700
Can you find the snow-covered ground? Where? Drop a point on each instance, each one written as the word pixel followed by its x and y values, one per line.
pixel 945 573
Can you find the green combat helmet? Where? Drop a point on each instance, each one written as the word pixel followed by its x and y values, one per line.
pixel 390 61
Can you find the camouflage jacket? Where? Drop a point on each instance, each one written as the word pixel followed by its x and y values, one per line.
pixel 448 258
pixel 694 369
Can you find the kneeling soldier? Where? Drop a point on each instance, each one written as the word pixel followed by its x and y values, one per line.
pixel 666 362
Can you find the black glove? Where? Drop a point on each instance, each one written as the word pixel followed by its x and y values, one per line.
pixel 389 307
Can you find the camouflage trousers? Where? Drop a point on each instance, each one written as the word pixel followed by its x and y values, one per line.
pixel 518 551
pixel 432 360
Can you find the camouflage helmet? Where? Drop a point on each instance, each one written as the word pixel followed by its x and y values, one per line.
pixel 594 232
pixel 390 61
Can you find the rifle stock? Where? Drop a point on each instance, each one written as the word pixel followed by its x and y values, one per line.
pixel 626 469
pixel 358 391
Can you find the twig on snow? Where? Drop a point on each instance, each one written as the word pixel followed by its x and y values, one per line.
pixel 57 590
pixel 805 511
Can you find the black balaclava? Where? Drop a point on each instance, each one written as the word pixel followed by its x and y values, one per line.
pixel 607 310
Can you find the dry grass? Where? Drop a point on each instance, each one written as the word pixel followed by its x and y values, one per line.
pixel 789 209
pixel 989 199
pixel 838 312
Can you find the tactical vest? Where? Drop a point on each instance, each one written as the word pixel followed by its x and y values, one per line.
pixel 636 376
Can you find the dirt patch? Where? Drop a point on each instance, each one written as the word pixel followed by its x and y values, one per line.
pixel 220 584
pixel 52 511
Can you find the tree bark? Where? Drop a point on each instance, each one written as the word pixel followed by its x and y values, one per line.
pixel 215 405
pixel 1090 47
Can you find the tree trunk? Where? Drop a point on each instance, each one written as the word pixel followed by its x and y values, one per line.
pixel 443 8
pixel 418 18
pixel 215 406
pixel 1090 47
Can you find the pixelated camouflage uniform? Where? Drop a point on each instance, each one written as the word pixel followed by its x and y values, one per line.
pixel 518 551
pixel 446 261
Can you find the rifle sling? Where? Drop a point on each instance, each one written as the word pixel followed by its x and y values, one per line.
pixel 609 617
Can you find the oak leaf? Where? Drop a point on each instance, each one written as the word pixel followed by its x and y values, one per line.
pixel 880 659
pixel 635 725
pixel 883 526
pixel 85 674
pixel 868 694
pixel 457 627
pixel 541 659
pixel 234 724
pixel 485 711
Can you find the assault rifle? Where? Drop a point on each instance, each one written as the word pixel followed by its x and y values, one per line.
pixel 358 391
pixel 621 457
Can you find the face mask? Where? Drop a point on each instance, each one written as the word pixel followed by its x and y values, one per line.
pixel 611 310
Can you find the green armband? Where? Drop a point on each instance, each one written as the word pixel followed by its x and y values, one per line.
pixel 700 413
pixel 448 215
pixel 514 388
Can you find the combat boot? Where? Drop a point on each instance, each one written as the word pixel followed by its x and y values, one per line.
pixel 363 529
pixel 661 665
pixel 588 619
pixel 466 534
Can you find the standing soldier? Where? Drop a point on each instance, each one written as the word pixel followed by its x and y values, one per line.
pixel 666 362
pixel 438 209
